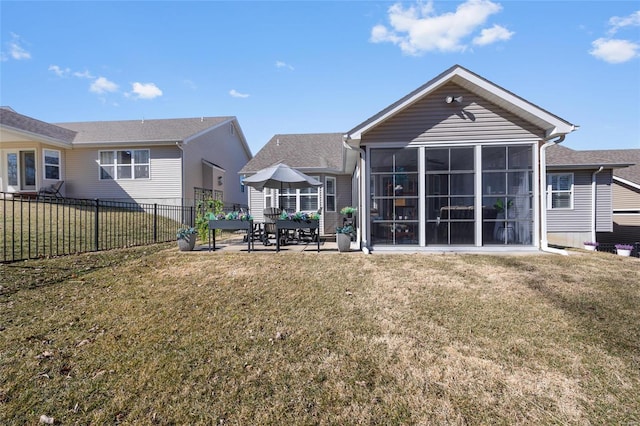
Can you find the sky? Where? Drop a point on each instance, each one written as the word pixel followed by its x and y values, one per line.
pixel 317 66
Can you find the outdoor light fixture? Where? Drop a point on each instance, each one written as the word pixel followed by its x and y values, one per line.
pixel 450 99
pixel 219 180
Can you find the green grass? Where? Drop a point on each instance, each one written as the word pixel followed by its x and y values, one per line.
pixel 31 229
pixel 154 336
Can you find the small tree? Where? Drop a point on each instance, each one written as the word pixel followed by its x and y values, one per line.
pixel 207 210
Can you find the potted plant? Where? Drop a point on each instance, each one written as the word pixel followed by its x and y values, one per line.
pixel 343 237
pixel 624 249
pixel 186 238
pixel 591 245
pixel 348 211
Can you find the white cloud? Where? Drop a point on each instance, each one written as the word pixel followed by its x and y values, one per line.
pixel 492 35
pixel 280 64
pixel 618 22
pixel 15 49
pixel 145 90
pixel 614 51
pixel 83 74
pixel 418 29
pixel 234 93
pixel 102 85
pixel 60 72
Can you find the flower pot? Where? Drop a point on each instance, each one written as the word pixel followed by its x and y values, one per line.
pixel 590 247
pixel 344 242
pixel 623 252
pixel 187 243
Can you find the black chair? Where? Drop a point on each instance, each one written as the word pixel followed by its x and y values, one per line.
pixel 51 190
pixel 271 215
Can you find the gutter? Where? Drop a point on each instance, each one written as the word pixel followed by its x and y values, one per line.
pixel 361 194
pixel 544 243
pixel 593 202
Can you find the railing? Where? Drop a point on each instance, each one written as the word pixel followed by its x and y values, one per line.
pixel 35 227
pixel 611 248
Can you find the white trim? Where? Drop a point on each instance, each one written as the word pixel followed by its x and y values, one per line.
pixel 334 194
pixel 115 164
pixel 550 191
pixel 44 164
pixel 626 182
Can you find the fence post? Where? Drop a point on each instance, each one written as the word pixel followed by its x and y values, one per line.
pixel 96 230
pixel 155 222
pixel 192 216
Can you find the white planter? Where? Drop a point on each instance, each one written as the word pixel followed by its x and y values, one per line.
pixel 590 248
pixel 623 252
pixel 344 242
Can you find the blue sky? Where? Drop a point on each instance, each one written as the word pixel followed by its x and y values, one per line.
pixel 317 66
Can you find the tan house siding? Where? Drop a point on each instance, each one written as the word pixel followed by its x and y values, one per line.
pixel 220 146
pixel 163 185
pixel 625 197
pixel 430 120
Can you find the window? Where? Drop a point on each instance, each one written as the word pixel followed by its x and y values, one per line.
pixel 126 164
pixel 305 200
pixel 51 164
pixel 560 190
pixel 330 194
pixel 269 197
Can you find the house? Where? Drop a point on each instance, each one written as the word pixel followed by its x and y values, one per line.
pixel 586 198
pixel 146 161
pixel 321 156
pixel 455 164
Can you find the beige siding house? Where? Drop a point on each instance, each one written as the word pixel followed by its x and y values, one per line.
pixel 145 161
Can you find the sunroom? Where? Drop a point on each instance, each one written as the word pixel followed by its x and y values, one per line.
pixel 454 164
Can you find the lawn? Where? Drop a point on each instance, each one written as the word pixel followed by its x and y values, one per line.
pixel 150 335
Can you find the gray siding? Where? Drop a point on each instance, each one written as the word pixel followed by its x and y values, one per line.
pixel 433 120
pixel 163 186
pixel 578 219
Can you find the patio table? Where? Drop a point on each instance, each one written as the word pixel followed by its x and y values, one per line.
pixel 283 224
pixel 230 225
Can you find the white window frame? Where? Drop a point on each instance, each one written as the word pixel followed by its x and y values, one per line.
pixel 269 197
pixel 551 191
pixel 298 196
pixel 45 164
pixel 132 165
pixel 328 195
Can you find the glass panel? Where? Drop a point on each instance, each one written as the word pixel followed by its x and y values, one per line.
pixel 331 203
pixel 12 169
pixel 437 159
pixel 493 183
pixel 437 184
pixel 462 233
pixel 462 184
pixel 51 157
pixel 308 203
pixel 106 172
pixel 124 172
pixel 561 201
pixel 406 160
pixel 382 160
pixel 435 206
pixel 141 156
pixel 462 159
pixel 381 233
pixel 523 232
pixel 519 183
pixel 124 157
pixel 52 172
pixel 494 158
pixel 331 189
pixel 520 157
pixel 437 233
pixel 405 233
pixel 106 157
pixel 288 203
pixel 141 172
pixel 29 168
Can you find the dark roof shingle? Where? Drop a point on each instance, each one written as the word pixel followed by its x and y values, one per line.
pixel 10 118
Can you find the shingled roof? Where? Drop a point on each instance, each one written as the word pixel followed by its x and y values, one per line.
pixel 625 162
pixel 306 152
pixel 148 131
pixel 12 120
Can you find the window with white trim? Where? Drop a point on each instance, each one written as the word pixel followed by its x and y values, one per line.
pixel 51 164
pixel 124 164
pixel 303 200
pixel 560 190
pixel 330 194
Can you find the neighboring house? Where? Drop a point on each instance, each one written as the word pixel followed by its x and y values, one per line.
pixel 146 161
pixel 322 156
pixel 626 198
pixel 584 198
pixel 455 164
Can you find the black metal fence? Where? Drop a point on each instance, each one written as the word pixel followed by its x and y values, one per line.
pixel 34 228
pixel 611 248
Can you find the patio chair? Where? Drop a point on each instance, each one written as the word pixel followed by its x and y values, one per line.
pixel 271 215
pixel 51 190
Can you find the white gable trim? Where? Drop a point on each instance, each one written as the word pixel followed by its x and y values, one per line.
pixel 626 182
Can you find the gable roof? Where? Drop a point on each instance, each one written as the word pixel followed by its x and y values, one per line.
pixel 31 128
pixel 305 152
pixel 631 174
pixel 141 131
pixel 561 157
pixel 552 124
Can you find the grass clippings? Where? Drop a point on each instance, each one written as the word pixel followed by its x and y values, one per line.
pixel 150 336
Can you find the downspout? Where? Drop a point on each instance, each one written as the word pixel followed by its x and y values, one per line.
pixel 544 243
pixel 593 203
pixel 361 193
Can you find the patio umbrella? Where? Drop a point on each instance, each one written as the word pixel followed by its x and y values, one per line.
pixel 280 177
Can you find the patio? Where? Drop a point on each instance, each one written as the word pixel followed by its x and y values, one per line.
pixel 233 243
